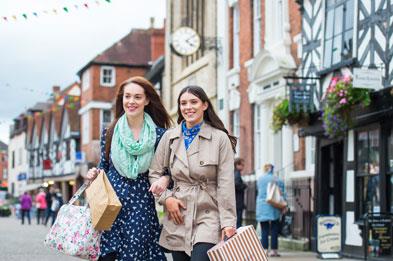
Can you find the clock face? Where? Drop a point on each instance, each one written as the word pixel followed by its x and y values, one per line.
pixel 185 41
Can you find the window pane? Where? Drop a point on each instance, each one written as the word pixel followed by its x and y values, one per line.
pixel 347 48
pixel 371 194
pixel 390 181
pixel 337 45
pixel 329 24
pixel 349 14
pixel 362 152
pixel 338 19
pixel 327 60
pixel 390 152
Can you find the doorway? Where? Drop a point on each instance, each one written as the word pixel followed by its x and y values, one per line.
pixel 331 179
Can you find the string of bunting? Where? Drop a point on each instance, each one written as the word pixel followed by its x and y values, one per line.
pixel 53 11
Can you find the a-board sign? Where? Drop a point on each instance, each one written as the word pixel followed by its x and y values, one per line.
pixel 379 235
pixel 328 234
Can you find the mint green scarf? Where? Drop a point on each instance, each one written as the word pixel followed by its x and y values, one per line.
pixel 129 156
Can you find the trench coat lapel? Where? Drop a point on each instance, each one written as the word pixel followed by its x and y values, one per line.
pixel 178 146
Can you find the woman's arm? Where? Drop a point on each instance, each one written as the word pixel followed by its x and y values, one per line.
pixel 225 184
pixel 158 167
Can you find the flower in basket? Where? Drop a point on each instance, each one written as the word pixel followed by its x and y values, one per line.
pixel 282 116
pixel 339 99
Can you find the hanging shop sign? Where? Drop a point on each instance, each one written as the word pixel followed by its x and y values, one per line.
pixel 329 236
pixel 301 96
pixel 367 78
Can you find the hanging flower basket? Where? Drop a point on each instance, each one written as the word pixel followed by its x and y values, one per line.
pixel 339 100
pixel 282 116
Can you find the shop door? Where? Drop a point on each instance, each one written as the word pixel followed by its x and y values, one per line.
pixel 331 179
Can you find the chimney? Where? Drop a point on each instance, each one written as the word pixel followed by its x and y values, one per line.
pixel 55 91
pixel 151 22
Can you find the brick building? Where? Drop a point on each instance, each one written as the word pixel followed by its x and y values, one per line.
pixel 261 47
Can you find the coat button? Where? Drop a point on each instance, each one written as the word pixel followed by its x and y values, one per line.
pixel 201 162
pixel 207 211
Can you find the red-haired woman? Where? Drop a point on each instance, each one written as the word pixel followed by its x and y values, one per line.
pixel 127 148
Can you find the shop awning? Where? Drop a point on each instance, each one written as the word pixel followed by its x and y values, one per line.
pixel 32 186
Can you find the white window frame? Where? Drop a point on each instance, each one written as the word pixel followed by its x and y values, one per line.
pixel 236 129
pixel 86 127
pixel 310 153
pixel 236 36
pixel 257 136
pixel 102 118
pixel 112 83
pixel 274 20
pixel 257 26
pixel 86 80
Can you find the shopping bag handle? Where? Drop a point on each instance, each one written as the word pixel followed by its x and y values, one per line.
pixel 78 193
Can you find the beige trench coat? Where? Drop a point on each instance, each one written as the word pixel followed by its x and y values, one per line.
pixel 203 180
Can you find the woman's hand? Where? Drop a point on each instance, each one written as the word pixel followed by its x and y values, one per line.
pixel 228 231
pixel 173 206
pixel 159 186
pixel 92 174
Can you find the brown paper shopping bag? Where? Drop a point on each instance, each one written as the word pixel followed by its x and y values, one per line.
pixel 243 246
pixel 103 201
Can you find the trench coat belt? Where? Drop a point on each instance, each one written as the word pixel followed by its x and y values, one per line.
pixel 198 186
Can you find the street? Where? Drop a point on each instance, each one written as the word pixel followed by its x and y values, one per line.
pixel 26 243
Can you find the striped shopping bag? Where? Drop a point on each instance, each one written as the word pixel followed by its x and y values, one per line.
pixel 243 246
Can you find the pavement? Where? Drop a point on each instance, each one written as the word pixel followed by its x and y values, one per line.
pixel 25 242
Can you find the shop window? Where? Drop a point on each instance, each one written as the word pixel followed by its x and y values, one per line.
pixel 367 169
pixel 389 178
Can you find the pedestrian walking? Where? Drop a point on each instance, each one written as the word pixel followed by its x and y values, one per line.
pixel 201 208
pixel 57 202
pixel 41 206
pixel 25 205
pixel 267 215
pixel 48 197
pixel 239 190
pixel 127 148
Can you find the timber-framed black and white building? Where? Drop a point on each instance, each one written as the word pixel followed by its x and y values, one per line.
pixel 354 173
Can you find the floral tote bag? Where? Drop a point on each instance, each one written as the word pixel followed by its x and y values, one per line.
pixel 73 233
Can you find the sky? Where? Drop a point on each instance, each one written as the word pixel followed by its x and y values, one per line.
pixel 49 49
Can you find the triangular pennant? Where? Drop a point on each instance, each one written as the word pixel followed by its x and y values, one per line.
pixel 86 5
pixel 54 11
pixel 5 18
pixel 35 14
pixel 108 1
pixel 25 16
pixel 14 16
pixel 65 9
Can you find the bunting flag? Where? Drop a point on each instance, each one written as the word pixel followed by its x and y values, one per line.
pixel 54 11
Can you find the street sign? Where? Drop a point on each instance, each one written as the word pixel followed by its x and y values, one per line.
pixel 329 236
pixel 22 176
pixel 367 78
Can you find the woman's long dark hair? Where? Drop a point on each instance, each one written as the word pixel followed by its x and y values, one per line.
pixel 209 116
pixel 155 108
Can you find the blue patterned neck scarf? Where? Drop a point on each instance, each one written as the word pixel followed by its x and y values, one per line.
pixel 189 134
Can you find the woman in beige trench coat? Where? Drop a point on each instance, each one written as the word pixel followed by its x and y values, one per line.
pixel 201 208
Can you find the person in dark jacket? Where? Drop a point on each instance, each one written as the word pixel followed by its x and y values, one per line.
pixel 239 188
pixel 48 197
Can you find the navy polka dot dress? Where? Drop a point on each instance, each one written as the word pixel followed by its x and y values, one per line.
pixel 134 234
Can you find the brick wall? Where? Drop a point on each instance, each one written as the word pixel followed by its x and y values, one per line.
pixel 246 46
